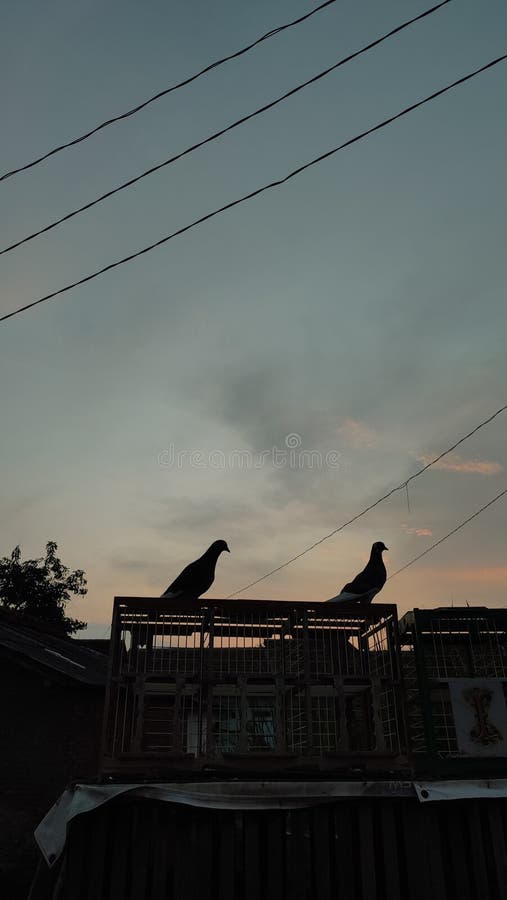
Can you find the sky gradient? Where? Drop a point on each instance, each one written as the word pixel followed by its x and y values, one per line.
pixel 360 308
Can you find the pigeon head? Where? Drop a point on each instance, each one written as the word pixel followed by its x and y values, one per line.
pixel 379 547
pixel 218 547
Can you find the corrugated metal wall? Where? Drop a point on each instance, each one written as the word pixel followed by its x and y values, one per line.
pixel 135 849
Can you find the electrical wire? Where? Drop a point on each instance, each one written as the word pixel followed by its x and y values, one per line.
pixel 424 553
pixel 252 194
pixel 218 134
pixel 163 93
pixel 450 533
pixel 399 487
pixel 412 561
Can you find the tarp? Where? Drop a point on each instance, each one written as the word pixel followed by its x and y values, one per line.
pixel 51 834
pixel 460 790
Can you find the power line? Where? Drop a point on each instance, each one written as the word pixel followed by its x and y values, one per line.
pixel 416 558
pixel 402 486
pixel 254 193
pixel 169 90
pixel 454 530
pixel 218 134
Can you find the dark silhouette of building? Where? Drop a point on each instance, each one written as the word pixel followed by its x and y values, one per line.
pixel 51 706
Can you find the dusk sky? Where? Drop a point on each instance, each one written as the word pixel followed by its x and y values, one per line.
pixel 357 313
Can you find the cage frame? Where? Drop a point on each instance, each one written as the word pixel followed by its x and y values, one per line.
pixel 380 760
pixel 414 628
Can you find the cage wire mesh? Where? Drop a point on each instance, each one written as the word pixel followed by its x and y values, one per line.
pixel 276 678
pixel 436 647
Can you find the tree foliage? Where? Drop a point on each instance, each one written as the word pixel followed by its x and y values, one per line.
pixel 41 588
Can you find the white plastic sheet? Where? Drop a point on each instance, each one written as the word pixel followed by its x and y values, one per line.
pixel 460 790
pixel 51 834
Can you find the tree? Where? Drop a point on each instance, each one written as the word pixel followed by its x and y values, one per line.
pixel 41 588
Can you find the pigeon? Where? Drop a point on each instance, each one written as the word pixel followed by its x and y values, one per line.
pixel 368 583
pixel 198 576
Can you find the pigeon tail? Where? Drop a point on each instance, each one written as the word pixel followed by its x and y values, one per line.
pixel 348 597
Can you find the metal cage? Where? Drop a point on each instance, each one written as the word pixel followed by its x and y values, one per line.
pixel 251 684
pixel 454 663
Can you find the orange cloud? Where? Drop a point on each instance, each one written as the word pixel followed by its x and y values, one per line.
pixel 455 463
pixel 484 575
pixel 357 434
pixel 420 532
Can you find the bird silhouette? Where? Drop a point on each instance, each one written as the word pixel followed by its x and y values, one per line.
pixel 198 576
pixel 368 583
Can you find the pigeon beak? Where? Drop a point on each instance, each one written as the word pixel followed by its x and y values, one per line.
pixel 386 548
pixel 228 551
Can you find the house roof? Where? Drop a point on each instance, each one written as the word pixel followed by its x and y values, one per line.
pixel 101 645
pixel 64 656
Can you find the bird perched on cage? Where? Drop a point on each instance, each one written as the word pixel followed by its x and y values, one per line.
pixel 198 576
pixel 368 583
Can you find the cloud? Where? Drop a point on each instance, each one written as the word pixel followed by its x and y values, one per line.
pixel 357 434
pixel 263 405
pixel 477 575
pixel 183 517
pixel 455 463
pixel 129 564
pixel 419 532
